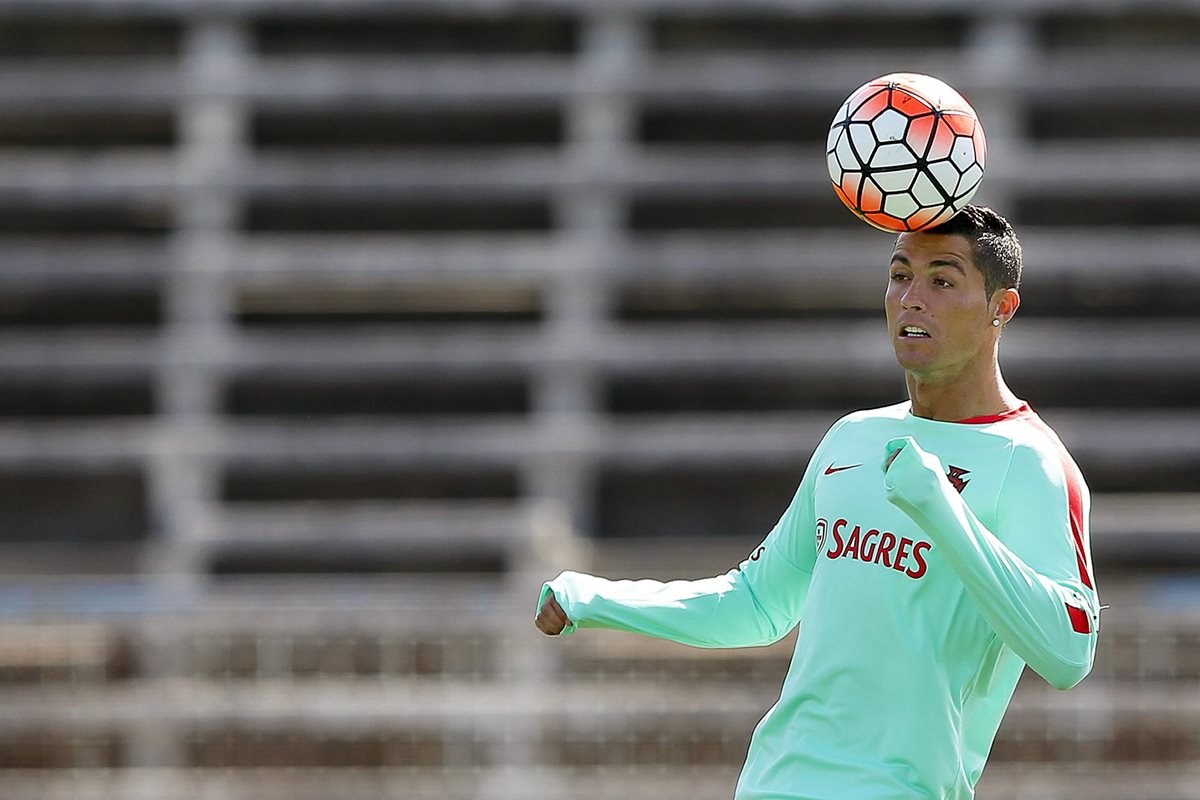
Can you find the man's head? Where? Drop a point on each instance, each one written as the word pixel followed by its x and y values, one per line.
pixel 994 243
pixel 950 291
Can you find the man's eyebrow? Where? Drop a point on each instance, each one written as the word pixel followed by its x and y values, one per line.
pixel 942 262
pixel 937 262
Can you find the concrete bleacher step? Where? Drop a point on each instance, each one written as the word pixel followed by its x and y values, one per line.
pixel 1067 78
pixel 367 705
pixel 90 84
pixel 168 611
pixel 82 178
pixel 1125 656
pixel 409 535
pixel 441 81
pixel 417 524
pixel 1051 252
pixel 1137 167
pixel 1137 525
pixel 638 727
pixel 88 262
pixel 1162 437
pixel 534 782
pixel 1151 781
pixel 79 653
pixel 359 705
pixel 839 350
pixel 691 257
pixel 518 81
pixel 687 258
pixel 280 260
pixel 80 352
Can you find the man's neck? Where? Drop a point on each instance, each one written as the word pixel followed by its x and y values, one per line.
pixel 960 399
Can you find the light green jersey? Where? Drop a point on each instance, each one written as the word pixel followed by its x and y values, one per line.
pixel 921 594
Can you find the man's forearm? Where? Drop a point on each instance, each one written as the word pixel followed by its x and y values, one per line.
pixel 1030 612
pixel 723 611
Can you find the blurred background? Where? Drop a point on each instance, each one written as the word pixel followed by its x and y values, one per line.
pixel 330 328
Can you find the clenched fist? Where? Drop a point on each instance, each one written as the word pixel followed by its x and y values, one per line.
pixel 551 619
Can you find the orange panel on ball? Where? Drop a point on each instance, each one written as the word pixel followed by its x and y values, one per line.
pixel 909 104
pixel 843 197
pixel 869 106
pixel 919 131
pixel 884 222
pixel 962 124
pixel 923 217
pixel 943 141
pixel 871 198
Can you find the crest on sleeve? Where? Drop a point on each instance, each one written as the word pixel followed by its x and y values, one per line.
pixel 958 479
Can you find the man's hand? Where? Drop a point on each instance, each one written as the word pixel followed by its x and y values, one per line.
pixel 892 450
pixel 551 619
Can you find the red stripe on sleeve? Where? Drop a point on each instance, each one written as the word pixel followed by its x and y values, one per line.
pixel 1074 500
pixel 1079 619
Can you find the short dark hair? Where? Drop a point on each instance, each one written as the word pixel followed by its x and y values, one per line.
pixel 994 244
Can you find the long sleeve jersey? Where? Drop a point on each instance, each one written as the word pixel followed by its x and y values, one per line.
pixel 922 590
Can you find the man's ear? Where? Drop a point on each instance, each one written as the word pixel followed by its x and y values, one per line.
pixel 1005 303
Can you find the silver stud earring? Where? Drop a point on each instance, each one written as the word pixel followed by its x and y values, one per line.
pixel 995 323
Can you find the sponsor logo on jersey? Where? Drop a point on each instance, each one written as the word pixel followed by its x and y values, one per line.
pixel 873 546
pixel 957 477
pixel 832 469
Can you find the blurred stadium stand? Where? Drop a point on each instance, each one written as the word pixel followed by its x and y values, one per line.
pixel 328 328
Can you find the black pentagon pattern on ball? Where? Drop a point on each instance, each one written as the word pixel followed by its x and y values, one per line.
pixel 899 201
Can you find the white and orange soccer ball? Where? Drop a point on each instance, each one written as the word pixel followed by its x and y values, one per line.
pixel 906 152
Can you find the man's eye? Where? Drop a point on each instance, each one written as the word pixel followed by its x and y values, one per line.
pixel 899 276
pixel 942 282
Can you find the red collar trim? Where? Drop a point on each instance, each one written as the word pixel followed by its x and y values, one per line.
pixel 1013 413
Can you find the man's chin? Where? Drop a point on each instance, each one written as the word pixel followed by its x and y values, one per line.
pixel 913 362
pixel 923 370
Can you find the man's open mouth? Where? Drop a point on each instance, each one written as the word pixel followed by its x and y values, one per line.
pixel 913 332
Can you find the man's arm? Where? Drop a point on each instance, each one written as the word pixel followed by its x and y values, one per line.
pixel 755 604
pixel 1027 578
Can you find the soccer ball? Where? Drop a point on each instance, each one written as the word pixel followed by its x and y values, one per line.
pixel 906 152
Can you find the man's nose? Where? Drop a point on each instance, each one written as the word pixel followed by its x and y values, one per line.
pixel 911 299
